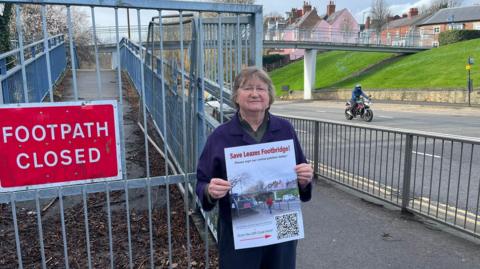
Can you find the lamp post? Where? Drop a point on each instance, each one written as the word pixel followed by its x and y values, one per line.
pixel 470 62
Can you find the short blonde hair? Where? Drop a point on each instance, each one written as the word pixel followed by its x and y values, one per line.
pixel 247 74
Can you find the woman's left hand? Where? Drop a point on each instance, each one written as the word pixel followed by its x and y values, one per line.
pixel 304 174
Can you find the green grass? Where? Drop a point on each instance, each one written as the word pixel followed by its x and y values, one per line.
pixel 438 68
pixel 332 67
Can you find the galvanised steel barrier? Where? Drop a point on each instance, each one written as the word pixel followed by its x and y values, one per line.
pixel 171 83
pixel 24 76
pixel 434 175
pixel 189 38
pixel 366 37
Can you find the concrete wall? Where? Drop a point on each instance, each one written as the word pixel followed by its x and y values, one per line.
pixel 407 95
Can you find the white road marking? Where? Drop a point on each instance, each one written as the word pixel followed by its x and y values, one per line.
pixel 426 154
pixel 386 117
pixel 321 111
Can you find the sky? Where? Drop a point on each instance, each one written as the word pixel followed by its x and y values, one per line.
pixel 359 9
pixel 356 7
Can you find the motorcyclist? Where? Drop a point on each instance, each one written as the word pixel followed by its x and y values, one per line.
pixel 356 93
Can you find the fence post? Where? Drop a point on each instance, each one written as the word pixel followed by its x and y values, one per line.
pixel 3 66
pixel 407 169
pixel 159 67
pixel 316 138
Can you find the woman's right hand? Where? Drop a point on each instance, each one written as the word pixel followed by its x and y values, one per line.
pixel 218 188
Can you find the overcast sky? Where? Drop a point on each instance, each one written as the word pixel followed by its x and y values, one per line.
pixel 357 8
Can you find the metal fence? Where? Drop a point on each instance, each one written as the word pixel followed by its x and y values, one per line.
pixel 437 176
pixel 27 75
pixel 167 68
pixel 366 37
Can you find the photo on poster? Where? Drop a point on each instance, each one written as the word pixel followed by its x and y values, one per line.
pixel 265 200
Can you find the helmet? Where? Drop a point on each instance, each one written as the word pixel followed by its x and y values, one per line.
pixel 358 86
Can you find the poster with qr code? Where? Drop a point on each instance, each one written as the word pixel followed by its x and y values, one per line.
pixel 265 200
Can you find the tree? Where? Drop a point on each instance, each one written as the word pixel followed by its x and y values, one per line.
pixel 436 5
pixel 4 24
pixel 56 18
pixel 379 15
pixel 56 23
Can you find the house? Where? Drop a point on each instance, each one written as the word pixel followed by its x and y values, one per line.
pixel 404 30
pixel 273 27
pixel 343 28
pixel 459 18
pixel 307 25
pixel 300 26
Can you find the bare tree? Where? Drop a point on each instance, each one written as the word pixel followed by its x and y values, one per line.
pixel 379 13
pixel 273 14
pixel 436 5
pixel 239 180
pixel 56 24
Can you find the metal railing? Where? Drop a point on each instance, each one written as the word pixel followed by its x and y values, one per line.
pixel 28 74
pixel 325 35
pixel 436 176
pixel 170 82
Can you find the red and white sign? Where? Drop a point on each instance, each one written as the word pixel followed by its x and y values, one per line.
pixel 51 144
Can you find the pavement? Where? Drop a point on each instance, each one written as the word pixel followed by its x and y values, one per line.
pixel 345 229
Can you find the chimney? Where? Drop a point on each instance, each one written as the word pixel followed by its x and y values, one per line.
pixel 368 23
pixel 412 12
pixel 330 8
pixel 306 7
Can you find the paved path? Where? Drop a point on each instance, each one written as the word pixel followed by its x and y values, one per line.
pixel 347 231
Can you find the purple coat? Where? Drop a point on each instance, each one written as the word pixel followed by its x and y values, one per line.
pixel 212 165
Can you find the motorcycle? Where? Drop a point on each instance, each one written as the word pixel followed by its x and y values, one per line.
pixel 362 110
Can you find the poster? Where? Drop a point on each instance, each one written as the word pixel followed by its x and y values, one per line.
pixel 265 200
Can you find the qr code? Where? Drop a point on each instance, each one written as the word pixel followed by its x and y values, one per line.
pixel 287 225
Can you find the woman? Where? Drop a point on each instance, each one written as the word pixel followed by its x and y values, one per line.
pixel 252 94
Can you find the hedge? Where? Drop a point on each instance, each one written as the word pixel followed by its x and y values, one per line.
pixel 454 36
pixel 273 58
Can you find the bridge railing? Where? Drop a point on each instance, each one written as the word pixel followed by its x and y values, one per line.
pixel 24 72
pixel 324 35
pixel 434 175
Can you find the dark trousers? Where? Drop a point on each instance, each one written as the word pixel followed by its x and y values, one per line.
pixel 353 105
pixel 278 256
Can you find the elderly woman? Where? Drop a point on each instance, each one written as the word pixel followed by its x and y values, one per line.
pixel 252 94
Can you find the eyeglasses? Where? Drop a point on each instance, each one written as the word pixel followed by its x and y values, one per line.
pixel 250 88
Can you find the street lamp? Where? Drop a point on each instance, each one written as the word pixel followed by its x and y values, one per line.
pixel 470 62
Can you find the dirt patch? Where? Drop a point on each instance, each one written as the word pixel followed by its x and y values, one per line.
pixel 98 220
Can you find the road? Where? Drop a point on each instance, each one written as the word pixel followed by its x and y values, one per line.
pixel 445 175
pixel 464 121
